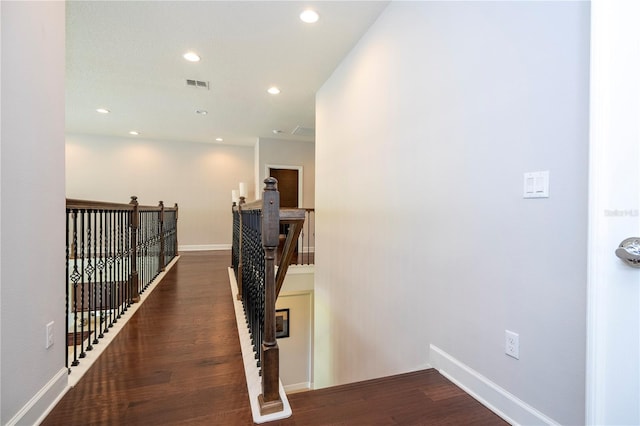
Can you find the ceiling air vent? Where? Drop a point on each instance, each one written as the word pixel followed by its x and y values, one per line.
pixel 198 84
pixel 303 131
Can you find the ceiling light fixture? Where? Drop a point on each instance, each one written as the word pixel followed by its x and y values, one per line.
pixel 103 111
pixel 191 57
pixel 309 16
pixel 201 112
pixel 134 133
pixel 219 139
pixel 273 90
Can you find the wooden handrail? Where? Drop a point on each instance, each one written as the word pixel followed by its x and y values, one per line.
pixel 100 205
pixel 106 205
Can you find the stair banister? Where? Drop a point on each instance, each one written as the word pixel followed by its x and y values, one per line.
pixel 269 400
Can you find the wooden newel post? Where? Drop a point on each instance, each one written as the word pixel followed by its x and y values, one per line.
pixel 161 266
pixel 269 400
pixel 134 223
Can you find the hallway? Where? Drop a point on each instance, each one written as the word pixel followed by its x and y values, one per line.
pixel 178 361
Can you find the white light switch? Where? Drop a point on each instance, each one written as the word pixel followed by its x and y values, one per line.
pixel 536 184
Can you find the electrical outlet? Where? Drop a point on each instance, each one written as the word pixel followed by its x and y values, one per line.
pixel 49 341
pixel 512 344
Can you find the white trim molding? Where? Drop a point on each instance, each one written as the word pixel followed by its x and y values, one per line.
pixel 613 295
pixel 38 407
pixel 297 387
pixel 504 404
pixel 204 247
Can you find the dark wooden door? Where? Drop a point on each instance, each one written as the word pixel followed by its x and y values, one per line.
pixel 287 185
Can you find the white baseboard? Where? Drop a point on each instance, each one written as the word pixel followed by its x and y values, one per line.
pixel 297 387
pixel 42 402
pixel 300 269
pixel 504 404
pixel 204 247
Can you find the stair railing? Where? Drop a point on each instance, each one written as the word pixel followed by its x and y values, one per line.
pixel 113 253
pixel 256 232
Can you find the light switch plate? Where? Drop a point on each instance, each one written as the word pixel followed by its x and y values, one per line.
pixel 536 184
pixel 49 335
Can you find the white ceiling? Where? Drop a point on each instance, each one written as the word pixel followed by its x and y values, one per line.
pixel 127 57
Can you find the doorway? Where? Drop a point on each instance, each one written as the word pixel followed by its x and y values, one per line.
pixel 289 184
pixel 290 188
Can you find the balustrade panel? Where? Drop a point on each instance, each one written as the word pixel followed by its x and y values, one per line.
pixel 254 250
pixel 253 276
pixel 101 246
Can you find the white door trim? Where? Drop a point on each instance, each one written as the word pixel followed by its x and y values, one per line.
pixel 613 296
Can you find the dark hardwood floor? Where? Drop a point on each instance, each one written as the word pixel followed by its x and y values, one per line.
pixel 178 361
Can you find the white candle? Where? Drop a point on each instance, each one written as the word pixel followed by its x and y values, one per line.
pixel 243 189
pixel 234 196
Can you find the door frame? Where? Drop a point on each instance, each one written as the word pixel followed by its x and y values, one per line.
pixel 300 178
pixel 613 295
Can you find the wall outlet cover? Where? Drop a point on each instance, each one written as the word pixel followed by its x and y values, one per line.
pixel 512 344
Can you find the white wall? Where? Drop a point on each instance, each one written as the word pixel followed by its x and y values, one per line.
pixel 296 350
pixel 287 153
pixel 32 176
pixel 199 177
pixel 423 134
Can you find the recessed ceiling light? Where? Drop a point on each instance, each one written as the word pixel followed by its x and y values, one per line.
pixel 277 132
pixel 134 133
pixel 219 139
pixel 273 90
pixel 191 57
pixel 201 112
pixel 309 16
pixel 103 111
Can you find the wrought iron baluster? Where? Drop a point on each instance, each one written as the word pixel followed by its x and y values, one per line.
pixel 126 280
pixel 119 266
pixel 82 283
pixel 110 271
pixel 67 284
pixel 75 277
pixel 142 232
pixel 128 261
pixel 156 244
pixel 146 249
pixel 89 270
pixel 116 269
pixel 101 265
pixel 132 240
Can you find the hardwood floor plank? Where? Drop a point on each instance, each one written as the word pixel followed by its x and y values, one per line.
pixel 178 361
pixel 419 398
